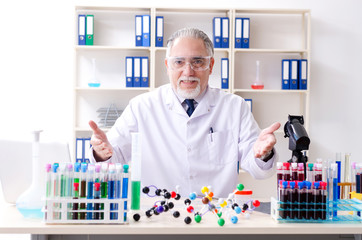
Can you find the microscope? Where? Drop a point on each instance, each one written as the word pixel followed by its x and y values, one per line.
pixel 298 139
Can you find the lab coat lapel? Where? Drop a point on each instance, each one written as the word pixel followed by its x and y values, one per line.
pixel 205 105
pixel 173 104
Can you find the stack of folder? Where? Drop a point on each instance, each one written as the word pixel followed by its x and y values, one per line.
pixel 242 32
pixel 137 69
pixel 142 30
pixel 294 74
pixel 82 146
pixel 85 29
pixel 221 32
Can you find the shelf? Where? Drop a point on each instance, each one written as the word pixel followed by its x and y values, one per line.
pixel 83 129
pixel 273 11
pixel 260 50
pixel 270 91
pixel 99 89
pixel 110 48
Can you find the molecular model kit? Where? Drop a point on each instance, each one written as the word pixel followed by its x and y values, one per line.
pixel 237 205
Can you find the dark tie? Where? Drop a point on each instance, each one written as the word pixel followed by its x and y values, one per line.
pixel 191 107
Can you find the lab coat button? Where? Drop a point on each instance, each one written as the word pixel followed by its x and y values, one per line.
pixel 189 149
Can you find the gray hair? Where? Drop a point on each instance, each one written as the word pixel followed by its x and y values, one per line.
pixel 192 33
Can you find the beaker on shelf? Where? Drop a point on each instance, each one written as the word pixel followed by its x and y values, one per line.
pixel 258 84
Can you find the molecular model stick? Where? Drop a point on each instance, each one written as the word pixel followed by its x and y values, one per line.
pixel 160 206
pixel 232 205
pixel 208 206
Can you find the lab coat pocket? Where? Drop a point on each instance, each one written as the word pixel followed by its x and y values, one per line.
pixel 222 148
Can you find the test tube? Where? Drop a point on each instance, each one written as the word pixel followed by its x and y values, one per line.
pixel 293 200
pixel 69 188
pixel 136 171
pixel 335 188
pixel 284 209
pixel 97 195
pixel 323 191
pixel 310 175
pixel 76 186
pixel 318 172
pixel 294 171
pixel 83 188
pixel 112 189
pixel 90 182
pixel 97 190
pixel 48 178
pixel 286 171
pixel 347 172
pixel 316 200
pixel 309 199
pixel 125 177
pixel 301 176
pixel 353 176
pixel 302 212
pixel 279 172
pixel 55 190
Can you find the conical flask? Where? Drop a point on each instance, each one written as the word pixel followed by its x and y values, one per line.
pixel 30 202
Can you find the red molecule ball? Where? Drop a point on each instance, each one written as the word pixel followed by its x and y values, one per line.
pixel 173 194
pixel 190 209
pixel 256 203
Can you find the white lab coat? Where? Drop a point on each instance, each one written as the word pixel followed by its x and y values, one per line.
pixel 180 150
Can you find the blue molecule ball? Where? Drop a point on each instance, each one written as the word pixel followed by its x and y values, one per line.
pixel 160 209
pixel 237 210
pixel 234 219
pixel 192 196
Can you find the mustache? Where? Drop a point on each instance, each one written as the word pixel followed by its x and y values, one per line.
pixel 188 79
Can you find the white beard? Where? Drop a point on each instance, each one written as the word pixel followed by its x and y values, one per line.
pixel 185 93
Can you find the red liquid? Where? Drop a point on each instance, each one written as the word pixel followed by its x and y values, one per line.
pixel 254 86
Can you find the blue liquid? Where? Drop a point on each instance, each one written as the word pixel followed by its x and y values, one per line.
pixel 94 84
pixel 335 196
pixel 31 213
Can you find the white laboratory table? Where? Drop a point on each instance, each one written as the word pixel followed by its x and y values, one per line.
pixel 12 222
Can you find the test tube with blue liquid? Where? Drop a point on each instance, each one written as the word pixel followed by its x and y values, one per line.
pixel 335 188
pixel 125 177
pixel 90 182
pixel 136 172
pixel 112 189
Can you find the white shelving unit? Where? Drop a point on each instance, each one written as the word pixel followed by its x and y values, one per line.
pixel 275 34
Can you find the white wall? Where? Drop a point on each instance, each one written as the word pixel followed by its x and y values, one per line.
pixel 36 49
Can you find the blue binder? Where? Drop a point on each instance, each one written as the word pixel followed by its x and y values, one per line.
pixel 81 29
pixel 225 32
pixel 246 33
pixel 146 28
pixel 249 101
pixel 217 32
pixel 224 73
pixel 303 73
pixel 293 84
pixel 138 30
pixel 159 31
pixel 238 32
pixel 79 150
pixel 285 73
pixel 129 71
pixel 145 72
pixel 86 147
pixel 137 72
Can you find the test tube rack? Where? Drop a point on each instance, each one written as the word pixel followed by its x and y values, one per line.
pixel 340 211
pixel 60 211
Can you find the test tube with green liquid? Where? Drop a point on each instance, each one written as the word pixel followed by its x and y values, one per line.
pixel 136 172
